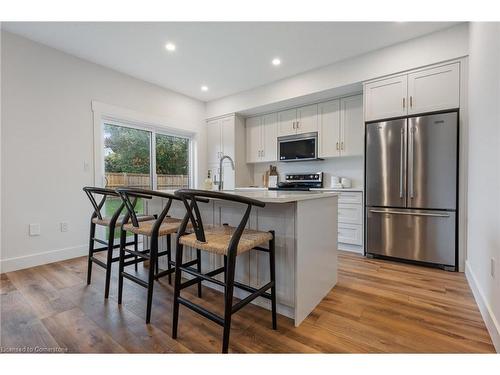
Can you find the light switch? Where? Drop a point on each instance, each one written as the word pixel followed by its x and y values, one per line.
pixel 34 229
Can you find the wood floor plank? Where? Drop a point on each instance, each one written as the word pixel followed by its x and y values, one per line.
pixel 73 330
pixel 377 306
pixel 20 326
pixel 39 292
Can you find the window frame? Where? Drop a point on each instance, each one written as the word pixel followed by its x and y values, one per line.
pixel 106 114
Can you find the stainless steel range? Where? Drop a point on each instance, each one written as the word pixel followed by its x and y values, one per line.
pixel 301 181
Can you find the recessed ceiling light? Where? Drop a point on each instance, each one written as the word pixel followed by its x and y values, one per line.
pixel 170 46
pixel 204 88
pixel 276 61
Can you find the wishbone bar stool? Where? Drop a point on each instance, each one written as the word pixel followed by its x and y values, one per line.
pixel 158 227
pixel 229 242
pixel 111 223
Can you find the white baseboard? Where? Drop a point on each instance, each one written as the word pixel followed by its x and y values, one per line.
pixel 19 263
pixel 487 313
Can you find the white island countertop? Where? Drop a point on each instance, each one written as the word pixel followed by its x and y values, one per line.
pixel 277 196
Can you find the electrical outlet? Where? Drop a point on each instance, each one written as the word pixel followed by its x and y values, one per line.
pixel 34 229
pixel 492 267
pixel 64 227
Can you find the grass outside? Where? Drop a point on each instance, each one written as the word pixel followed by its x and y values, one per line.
pixel 112 204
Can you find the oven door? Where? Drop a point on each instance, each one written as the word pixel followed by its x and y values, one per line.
pixel 298 148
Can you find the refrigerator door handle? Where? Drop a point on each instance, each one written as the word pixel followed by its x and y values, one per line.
pixel 410 162
pixel 401 162
pixel 409 213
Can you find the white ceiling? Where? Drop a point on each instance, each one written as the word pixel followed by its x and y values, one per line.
pixel 227 57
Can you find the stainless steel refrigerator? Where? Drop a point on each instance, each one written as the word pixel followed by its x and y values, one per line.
pixel 411 188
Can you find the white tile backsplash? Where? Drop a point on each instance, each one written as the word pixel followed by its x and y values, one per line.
pixel 350 167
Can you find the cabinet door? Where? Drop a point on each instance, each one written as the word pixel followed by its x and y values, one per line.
pixel 350 234
pixel 286 122
pixel 213 141
pixel 329 128
pixel 227 136
pixel 253 134
pixel 350 213
pixel 434 89
pixel 352 135
pixel 269 137
pixel 307 119
pixel 386 98
pixel 227 148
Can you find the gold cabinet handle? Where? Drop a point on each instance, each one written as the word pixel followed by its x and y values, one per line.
pixel 342 145
pixel 411 101
pixel 403 103
pixel 337 146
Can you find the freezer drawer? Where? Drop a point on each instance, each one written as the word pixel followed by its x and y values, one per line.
pixel 421 235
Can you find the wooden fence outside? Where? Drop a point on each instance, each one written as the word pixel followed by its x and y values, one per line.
pixel 142 180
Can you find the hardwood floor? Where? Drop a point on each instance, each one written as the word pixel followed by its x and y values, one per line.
pixel 376 307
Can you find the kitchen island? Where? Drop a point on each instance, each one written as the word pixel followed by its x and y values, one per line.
pixel 305 225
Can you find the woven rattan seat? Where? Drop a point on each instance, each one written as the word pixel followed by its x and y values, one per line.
pixel 218 237
pixel 105 221
pixel 168 226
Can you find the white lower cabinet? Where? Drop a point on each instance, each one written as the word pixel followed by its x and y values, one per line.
pixel 350 234
pixel 350 221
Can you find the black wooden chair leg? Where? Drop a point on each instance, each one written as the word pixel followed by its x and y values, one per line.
pixel 198 267
pixel 109 262
pixel 169 257
pixel 91 252
pixel 177 290
pixel 136 248
pixel 273 280
pixel 228 301
pixel 153 262
pixel 123 240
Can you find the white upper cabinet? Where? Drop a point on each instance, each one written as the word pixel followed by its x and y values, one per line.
pixel 214 141
pixel 253 139
pixel 286 122
pixel 223 136
pixel 269 137
pixel 227 130
pixel 307 119
pixel 298 120
pixel 420 91
pixel 352 126
pixel 386 98
pixel 434 89
pixel 341 127
pixel 261 138
pixel 329 128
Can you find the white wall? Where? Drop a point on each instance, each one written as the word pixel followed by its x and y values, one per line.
pixel 484 172
pixel 48 135
pixel 440 46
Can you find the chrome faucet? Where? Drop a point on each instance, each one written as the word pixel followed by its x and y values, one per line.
pixel 221 180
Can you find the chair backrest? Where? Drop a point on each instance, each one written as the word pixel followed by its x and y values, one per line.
pixel 92 192
pixel 127 193
pixel 190 197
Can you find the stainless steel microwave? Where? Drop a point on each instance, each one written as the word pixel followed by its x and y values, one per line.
pixel 298 147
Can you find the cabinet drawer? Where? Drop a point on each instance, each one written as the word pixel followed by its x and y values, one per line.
pixel 350 213
pixel 350 234
pixel 351 197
